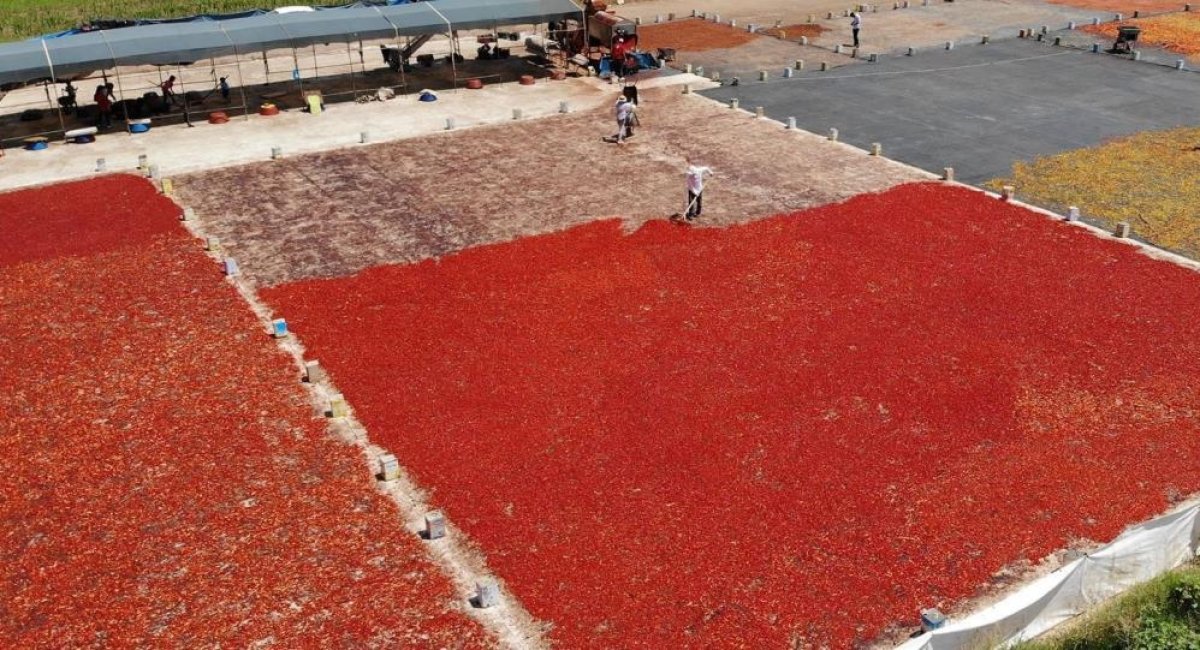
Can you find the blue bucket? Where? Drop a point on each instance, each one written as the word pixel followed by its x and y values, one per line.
pixel 139 128
pixel 38 146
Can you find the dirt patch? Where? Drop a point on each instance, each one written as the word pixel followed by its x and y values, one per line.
pixel 339 212
pixel 692 35
pixel 793 32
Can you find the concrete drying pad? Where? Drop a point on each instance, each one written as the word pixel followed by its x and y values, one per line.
pixel 981 108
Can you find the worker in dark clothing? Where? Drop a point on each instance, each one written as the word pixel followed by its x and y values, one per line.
pixel 103 107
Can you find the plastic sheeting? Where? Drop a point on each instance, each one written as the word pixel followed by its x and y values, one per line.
pixel 166 43
pixel 1138 555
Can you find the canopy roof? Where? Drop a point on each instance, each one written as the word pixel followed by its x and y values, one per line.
pixel 184 42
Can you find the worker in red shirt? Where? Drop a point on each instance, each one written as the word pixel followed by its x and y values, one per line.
pixel 168 90
pixel 103 107
pixel 618 55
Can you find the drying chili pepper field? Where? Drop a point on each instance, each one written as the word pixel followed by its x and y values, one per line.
pixel 165 481
pixel 1147 179
pixel 797 430
pixel 1178 32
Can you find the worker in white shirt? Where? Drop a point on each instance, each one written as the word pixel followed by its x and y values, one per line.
pixel 695 189
pixel 623 110
pixel 855 25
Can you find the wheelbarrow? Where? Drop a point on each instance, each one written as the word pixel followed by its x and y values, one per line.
pixel 1126 37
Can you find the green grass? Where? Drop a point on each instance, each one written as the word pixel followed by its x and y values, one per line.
pixel 26 18
pixel 1163 614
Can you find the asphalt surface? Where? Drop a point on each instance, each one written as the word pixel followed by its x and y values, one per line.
pixel 980 108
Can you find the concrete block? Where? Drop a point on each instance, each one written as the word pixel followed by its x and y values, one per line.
pixel 1095 21
pixel 829 16
pixel 854 52
pixel 167 186
pixel 449 123
pixel 389 468
pixel 143 162
pixel 1179 63
pixel 337 406
pixel 949 45
pixel 313 372
pixel 152 171
pixel 1057 41
pixel 364 137
pixel 799 65
pixel 487 594
pixel 716 75
pixel 824 66
pixel 873 58
pixel 787 73
pixel 1008 192
pixel 804 40
pixel 564 107
pixel 763 75
pixel 658 18
pixel 229 267
pixel 1045 29
pixel 279 328
pixel 687 68
pixel 517 114
pixel 791 123
pixel 637 21
pixel 1071 24
pixel 876 149
pixel 1137 55
pixel 671 16
pixel 732 22
pixel 212 244
pixel 833 135
pixel 733 103
pixel 699 71
pixel 1072 213
pixel 911 51
pixel 932 619
pixel 1095 48
pixel 687 89
pixel 1122 230
pixel 837 49
pixel 101 164
pixel 947 173
pixel 759 112
pixel 435 526
pixel 189 214
pixel 276 153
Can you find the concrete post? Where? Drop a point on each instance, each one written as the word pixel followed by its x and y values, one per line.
pixel 687 89
pixel 947 173
pixel 564 107
pixel 876 149
pixel 759 112
pixel 101 164
pixel 143 162
pixel 799 64
pixel 787 73
pixel 733 103
pixel 230 267
pixel 1179 63
pixel 435 526
pixel 389 467
pixel 949 45
pixel 337 406
pixel 1072 213
pixel 824 66
pixel 791 123
pixel 1008 192
pixel 911 51
pixel 763 75
pixel 212 244
pixel 804 40
pixel 487 594
pixel 1122 231
pixel 833 135
pixel 313 372
pixel 364 137
pixel 188 214
pixel 449 123
pixel 517 114
pixel 276 153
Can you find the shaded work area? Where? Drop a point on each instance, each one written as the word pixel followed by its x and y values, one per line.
pixel 178 69
pixel 980 108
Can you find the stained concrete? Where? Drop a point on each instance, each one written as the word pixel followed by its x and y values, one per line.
pixel 980 108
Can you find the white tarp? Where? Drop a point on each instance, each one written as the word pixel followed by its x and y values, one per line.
pixel 1138 555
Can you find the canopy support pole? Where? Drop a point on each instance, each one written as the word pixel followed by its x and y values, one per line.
pixel 350 57
pixel 187 115
pixel 54 78
pixel 237 63
pixel 450 33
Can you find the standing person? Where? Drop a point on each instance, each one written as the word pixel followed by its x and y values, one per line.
pixel 103 107
pixel 224 86
pixel 623 111
pixel 168 90
pixel 855 25
pixel 618 56
pixel 695 189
